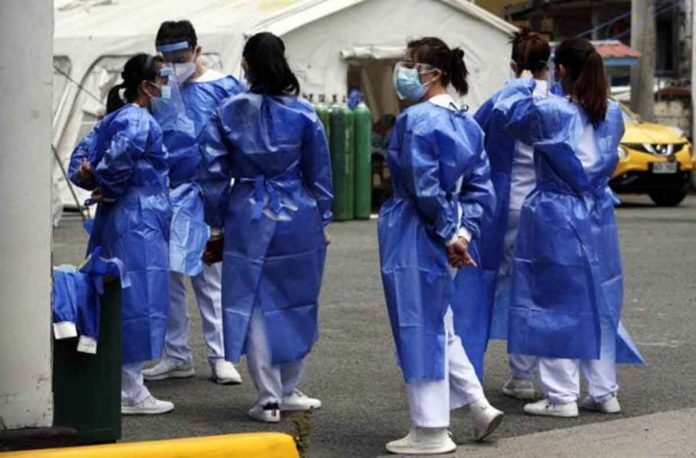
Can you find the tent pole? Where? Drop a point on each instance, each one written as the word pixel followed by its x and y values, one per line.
pixel 69 183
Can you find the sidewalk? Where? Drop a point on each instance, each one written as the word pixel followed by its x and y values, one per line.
pixel 666 434
pixel 663 435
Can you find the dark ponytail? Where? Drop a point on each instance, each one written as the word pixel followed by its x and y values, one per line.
pixel 530 51
pixel 585 80
pixel 113 99
pixel 268 70
pixel 139 68
pixel 433 51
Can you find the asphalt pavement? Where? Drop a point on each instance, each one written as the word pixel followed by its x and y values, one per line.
pixel 353 370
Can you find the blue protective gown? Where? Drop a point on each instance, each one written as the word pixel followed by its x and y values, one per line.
pixel 512 174
pixel 567 267
pixel 441 182
pixel 189 233
pixel 273 217
pixel 76 297
pixel 130 168
pixel 501 148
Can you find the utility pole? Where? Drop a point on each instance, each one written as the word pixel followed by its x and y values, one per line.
pixel 643 73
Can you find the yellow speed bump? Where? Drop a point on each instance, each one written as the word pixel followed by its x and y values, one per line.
pixel 253 445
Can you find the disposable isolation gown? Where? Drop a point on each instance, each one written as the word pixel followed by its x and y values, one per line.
pixel 129 164
pixel 567 267
pixel 192 104
pixel 441 182
pixel 512 174
pixel 273 217
pixel 76 297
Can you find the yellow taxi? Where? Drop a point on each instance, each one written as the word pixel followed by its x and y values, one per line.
pixel 654 159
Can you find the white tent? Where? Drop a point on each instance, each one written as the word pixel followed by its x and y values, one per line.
pixel 93 38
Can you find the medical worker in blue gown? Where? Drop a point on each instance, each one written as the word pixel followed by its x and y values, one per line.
pixel 428 229
pixel 200 91
pixel 124 163
pixel 273 216
pixel 567 280
pixel 513 177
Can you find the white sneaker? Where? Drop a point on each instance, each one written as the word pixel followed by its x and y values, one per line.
pixel 549 409
pixel 150 406
pixel 299 401
pixel 610 406
pixel 168 368
pixel 423 441
pixel 486 419
pixel 520 389
pixel 267 414
pixel 224 373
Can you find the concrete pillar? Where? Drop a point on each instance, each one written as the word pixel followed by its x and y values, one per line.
pixel 26 34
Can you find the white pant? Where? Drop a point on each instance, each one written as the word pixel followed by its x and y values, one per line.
pixel 430 401
pixel 206 287
pixel 523 367
pixel 133 389
pixel 272 382
pixel 560 378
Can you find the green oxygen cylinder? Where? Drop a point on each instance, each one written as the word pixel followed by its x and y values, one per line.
pixel 340 145
pixel 363 161
pixel 350 159
pixel 324 114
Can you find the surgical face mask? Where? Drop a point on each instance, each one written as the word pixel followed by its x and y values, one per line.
pixel 160 107
pixel 407 81
pixel 184 71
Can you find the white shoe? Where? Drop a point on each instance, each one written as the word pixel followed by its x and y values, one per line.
pixel 423 441
pixel 267 414
pixel 150 406
pixel 520 389
pixel 486 419
pixel 610 406
pixel 224 373
pixel 299 401
pixel 168 368
pixel 549 409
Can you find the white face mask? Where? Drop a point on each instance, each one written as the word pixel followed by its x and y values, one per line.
pixel 184 71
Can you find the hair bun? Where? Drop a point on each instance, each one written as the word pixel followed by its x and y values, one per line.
pixel 457 54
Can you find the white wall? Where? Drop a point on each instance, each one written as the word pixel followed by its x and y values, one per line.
pixel 26 34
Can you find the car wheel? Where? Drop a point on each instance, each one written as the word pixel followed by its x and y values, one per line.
pixel 668 197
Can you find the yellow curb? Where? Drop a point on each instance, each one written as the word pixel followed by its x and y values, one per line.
pixel 261 445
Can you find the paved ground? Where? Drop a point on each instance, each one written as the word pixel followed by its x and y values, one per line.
pixel 352 368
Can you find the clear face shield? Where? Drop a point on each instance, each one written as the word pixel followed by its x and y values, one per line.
pixel 512 70
pixel 407 81
pixel 551 78
pixel 168 108
pixel 181 57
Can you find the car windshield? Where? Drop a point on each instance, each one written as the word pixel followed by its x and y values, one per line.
pixel 629 117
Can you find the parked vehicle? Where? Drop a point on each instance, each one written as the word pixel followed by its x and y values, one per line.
pixel 654 159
